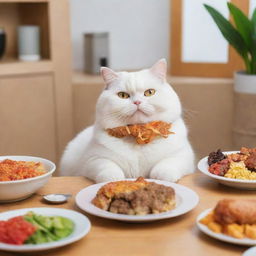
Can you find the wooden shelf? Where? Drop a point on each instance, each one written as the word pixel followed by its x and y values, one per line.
pixel 14 67
pixel 80 77
pixel 17 13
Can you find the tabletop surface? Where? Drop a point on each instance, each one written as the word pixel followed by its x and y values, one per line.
pixel 176 236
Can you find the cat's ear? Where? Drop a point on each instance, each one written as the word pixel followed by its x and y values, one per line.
pixel 159 69
pixel 108 75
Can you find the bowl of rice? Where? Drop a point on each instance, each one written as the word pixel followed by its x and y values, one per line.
pixel 22 176
pixel 232 168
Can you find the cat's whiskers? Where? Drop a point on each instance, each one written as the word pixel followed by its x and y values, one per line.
pixel 118 115
pixel 147 109
pixel 159 107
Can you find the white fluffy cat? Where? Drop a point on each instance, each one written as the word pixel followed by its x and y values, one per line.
pixel 95 154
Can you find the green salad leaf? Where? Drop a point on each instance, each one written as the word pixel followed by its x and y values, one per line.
pixel 49 228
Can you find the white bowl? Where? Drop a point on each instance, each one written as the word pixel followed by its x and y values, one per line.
pixel 236 183
pixel 20 189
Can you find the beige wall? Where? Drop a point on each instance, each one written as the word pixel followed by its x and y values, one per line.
pixel 207 105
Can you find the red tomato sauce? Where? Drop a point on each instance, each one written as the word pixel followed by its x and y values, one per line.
pixel 15 230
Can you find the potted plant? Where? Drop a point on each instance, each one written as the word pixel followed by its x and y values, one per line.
pixel 241 36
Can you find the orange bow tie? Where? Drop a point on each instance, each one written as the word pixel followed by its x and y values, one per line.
pixel 143 133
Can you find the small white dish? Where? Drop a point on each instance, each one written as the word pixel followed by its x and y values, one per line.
pixel 56 198
pixel 186 200
pixel 236 183
pixel 222 237
pixel 250 252
pixel 82 227
pixel 16 190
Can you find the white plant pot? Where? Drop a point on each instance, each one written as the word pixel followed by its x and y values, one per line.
pixel 244 118
pixel 244 83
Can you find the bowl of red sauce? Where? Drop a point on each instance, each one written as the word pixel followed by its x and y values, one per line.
pixel 22 176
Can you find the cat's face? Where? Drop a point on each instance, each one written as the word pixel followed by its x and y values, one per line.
pixel 137 97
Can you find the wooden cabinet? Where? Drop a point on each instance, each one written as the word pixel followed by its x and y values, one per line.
pixel 27 116
pixel 36 97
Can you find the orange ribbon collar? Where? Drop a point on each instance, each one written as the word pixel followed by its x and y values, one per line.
pixel 143 133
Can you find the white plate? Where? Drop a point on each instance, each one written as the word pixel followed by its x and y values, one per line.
pixel 250 252
pixel 82 227
pixel 222 237
pixel 186 200
pixel 236 183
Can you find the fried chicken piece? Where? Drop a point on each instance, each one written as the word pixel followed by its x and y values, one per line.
pixel 247 151
pixel 137 197
pixel 107 192
pixel 220 168
pixel 143 133
pixel 237 157
pixel 250 162
pixel 240 211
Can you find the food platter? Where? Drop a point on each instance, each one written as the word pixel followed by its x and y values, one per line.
pixel 186 200
pixel 82 227
pixel 236 183
pixel 221 237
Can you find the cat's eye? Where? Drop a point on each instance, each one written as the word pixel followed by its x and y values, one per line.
pixel 123 95
pixel 149 92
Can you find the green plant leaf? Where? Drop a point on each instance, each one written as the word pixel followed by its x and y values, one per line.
pixel 228 31
pixel 253 20
pixel 243 24
pixel 254 17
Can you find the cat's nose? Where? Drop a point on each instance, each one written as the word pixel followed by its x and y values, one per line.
pixel 137 102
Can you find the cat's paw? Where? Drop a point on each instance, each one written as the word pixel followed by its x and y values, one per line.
pixel 105 176
pixel 167 173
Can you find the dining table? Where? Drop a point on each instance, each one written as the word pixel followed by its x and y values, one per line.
pixel 174 236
